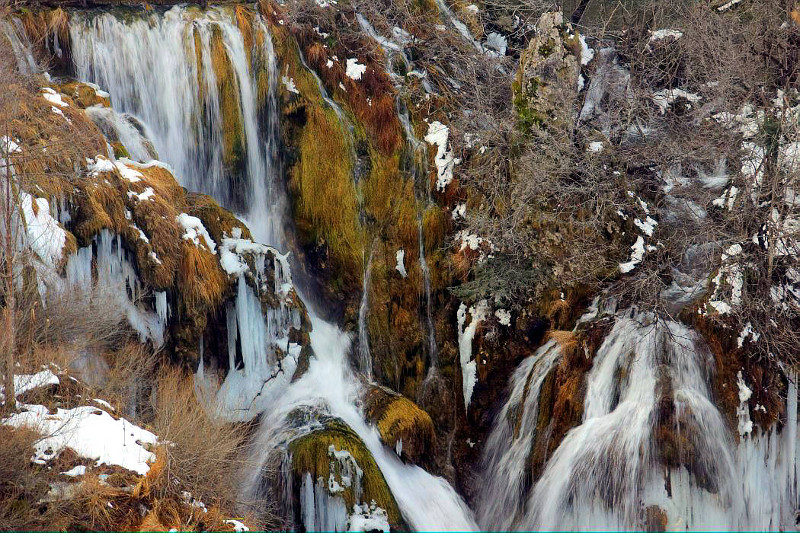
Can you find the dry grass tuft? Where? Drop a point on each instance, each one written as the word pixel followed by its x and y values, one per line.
pixel 204 454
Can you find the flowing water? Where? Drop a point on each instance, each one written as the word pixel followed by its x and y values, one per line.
pixel 176 98
pixel 609 472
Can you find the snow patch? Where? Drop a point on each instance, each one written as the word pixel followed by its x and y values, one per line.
pixel 445 161
pixel 194 229
pixel 354 69
pixel 400 267
pixel 91 432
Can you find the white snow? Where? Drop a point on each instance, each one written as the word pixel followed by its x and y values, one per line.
pixel 91 432
pixel 745 425
pixel 44 234
pixel 146 194
pixel 28 382
pixel 647 226
pixel 53 97
pixel 637 254
pixel 595 146
pixel 99 165
pixel 400 267
pixel 354 69
pixel 666 97
pixel 75 471
pixel 127 173
pixel 503 316
pixel 194 229
pixel 587 54
pixel 665 33
pixel 368 518
pixel 8 146
pixel 437 135
pixel 237 526
pixel 289 84
pixel 747 331
pixel 469 368
pixel 727 6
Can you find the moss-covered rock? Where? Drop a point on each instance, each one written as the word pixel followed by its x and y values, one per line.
pixel 546 84
pixel 320 454
pixel 403 426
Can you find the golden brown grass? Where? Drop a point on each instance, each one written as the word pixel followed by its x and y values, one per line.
pixel 205 454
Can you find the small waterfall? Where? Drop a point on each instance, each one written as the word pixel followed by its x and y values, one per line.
pixel 609 472
pixel 433 351
pixel 502 493
pixel 20 45
pixel 364 355
pixel 427 502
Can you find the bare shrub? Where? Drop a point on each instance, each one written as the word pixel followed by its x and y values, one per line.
pixel 204 454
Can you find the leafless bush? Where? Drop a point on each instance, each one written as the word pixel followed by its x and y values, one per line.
pixel 204 454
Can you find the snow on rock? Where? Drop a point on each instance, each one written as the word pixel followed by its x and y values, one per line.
pixel 289 84
pixel 437 135
pixel 469 368
pixel 503 316
pixel 53 97
pixel 637 254
pixel 647 226
pixel 99 165
pixel 127 173
pixel 91 432
pixel 368 517
pixel 666 97
pixel 747 331
pixel 147 194
pixel 401 267
pixel 76 471
pixel 665 34
pixel 194 230
pixel 44 234
pixel 354 69
pixel 237 526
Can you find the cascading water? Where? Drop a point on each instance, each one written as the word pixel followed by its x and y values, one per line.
pixel 177 98
pixel 194 118
pixel 609 472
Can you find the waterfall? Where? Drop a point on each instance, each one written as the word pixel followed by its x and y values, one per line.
pixel 177 98
pixel 364 355
pixel 427 502
pixel 161 69
pixel 609 471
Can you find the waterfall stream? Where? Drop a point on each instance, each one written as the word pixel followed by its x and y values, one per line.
pixel 607 473
pixel 175 96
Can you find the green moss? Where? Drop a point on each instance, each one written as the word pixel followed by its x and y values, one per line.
pixel 311 454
